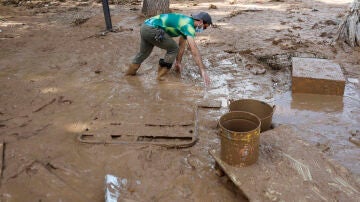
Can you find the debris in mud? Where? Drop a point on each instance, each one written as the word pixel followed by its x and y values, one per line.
pixel 323 147
pixel 121 29
pixel 83 4
pixel 116 186
pixel 134 2
pixel 115 124
pixel 45 105
pixel 97 71
pixel 49 166
pixel 323 34
pixel 25 123
pixel 355 133
pixel 73 8
pixel 112 187
pixel 250 62
pixel 82 63
pixel 232 2
pixel 212 6
pixel 276 41
pixel 328 35
pixel 241 52
pixel 315 26
pixel 8 36
pixel 194 162
pixel 283 61
pixel 256 69
pixel 235 13
pixel 239 12
pixel 97 35
pixel 80 20
pixel 61 100
pixel 329 22
pixel 209 104
pixel 275 81
pixel 104 33
pixel 218 171
pixel 296 27
pixel 314 10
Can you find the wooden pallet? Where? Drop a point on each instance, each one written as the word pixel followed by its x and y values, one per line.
pixel 157 127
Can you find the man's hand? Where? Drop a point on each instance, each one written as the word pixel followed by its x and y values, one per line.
pixel 206 78
pixel 198 60
pixel 178 66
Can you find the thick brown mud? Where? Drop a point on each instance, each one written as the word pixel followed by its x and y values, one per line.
pixel 59 80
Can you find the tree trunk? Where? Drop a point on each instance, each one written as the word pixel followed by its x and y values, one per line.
pixel 349 30
pixel 155 7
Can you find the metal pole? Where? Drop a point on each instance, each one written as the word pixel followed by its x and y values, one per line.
pixel 106 9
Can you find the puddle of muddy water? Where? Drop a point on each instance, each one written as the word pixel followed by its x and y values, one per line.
pixel 108 96
pixel 330 119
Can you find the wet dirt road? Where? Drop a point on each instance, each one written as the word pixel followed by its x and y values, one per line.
pixel 59 80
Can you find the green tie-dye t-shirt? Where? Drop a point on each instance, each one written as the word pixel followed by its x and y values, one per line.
pixel 173 24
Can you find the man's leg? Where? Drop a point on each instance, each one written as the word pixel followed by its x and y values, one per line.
pixel 145 50
pixel 172 50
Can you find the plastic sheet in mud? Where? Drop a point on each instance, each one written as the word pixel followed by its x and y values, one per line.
pixel 290 169
pixel 158 124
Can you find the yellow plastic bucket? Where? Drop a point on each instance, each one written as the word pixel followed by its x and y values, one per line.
pixel 240 136
pixel 261 109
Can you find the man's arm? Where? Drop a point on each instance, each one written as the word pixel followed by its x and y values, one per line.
pixel 197 57
pixel 179 56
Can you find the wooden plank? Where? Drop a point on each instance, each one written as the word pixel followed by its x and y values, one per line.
pixel 290 169
pixel 209 104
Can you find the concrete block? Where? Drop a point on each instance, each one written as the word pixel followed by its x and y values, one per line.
pixel 317 76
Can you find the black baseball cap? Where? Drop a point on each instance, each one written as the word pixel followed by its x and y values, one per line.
pixel 204 16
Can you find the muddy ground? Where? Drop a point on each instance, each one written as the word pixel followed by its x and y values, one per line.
pixel 62 76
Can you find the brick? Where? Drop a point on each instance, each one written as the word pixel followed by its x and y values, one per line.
pixel 317 76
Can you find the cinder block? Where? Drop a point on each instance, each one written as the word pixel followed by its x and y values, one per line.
pixel 317 76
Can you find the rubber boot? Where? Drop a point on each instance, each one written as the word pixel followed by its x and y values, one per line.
pixel 161 72
pixel 132 69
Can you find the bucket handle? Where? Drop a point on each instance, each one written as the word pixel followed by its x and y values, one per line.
pixel 230 101
pixel 219 132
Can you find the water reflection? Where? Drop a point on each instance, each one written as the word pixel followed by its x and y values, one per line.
pixel 317 103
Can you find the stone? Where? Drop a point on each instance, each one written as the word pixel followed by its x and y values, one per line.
pixel 317 76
